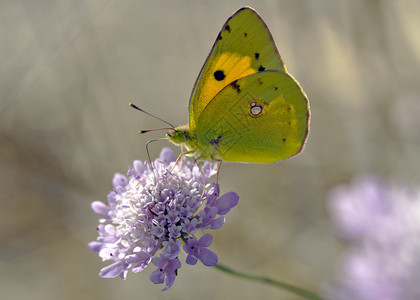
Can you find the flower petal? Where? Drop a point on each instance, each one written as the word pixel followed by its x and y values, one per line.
pixel 114 270
pixel 95 246
pixel 191 259
pixel 167 155
pixel 218 222
pixel 139 167
pixel 170 279
pixel 225 202
pixel 157 276
pixel 100 208
pixel 119 180
pixel 205 240
pixel 208 257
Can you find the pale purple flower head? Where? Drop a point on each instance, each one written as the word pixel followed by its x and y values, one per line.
pixel 381 223
pixel 149 216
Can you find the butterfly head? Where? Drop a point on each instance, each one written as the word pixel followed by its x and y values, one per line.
pixel 179 135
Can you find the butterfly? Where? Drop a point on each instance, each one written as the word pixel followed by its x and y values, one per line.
pixel 244 106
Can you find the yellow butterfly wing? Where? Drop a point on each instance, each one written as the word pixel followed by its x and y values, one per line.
pixel 260 118
pixel 243 47
pixel 244 105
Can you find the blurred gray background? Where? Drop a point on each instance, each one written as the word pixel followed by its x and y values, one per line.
pixel 67 72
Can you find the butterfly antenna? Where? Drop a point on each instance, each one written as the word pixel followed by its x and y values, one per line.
pixel 148 130
pixel 147 113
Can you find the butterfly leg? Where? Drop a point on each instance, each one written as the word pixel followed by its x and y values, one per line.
pixel 177 160
pixel 218 169
pixel 182 151
pixel 202 176
pixel 148 155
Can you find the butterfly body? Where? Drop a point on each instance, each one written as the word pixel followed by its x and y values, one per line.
pixel 245 106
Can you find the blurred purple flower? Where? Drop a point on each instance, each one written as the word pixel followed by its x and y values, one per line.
pixel 382 225
pixel 149 213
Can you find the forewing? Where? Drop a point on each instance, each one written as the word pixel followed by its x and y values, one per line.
pixel 243 47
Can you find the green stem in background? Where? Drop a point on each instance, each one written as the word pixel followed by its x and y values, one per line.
pixel 293 289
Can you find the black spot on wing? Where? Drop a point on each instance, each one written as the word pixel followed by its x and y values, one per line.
pixel 219 75
pixel 215 142
pixel 257 56
pixel 276 88
pixel 284 140
pixel 236 86
pixel 227 28
pixel 261 68
pixel 245 34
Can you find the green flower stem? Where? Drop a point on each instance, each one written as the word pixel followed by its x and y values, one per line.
pixel 298 291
